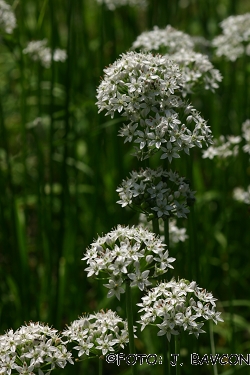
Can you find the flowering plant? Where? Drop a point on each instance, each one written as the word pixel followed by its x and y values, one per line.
pixel 33 348
pixel 223 147
pixel 147 90
pixel 235 38
pixel 177 305
pixel 39 51
pixel 133 254
pixel 156 193
pixel 198 72
pixel 196 69
pixel 7 18
pixel 97 333
pixel 168 40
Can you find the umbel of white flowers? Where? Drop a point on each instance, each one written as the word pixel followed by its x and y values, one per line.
pixel 226 146
pixel 7 18
pixel 147 91
pixel 39 51
pixel 197 71
pixel 177 306
pixel 133 254
pixel 34 348
pixel 156 193
pixel 97 333
pixel 234 41
pixel 168 40
pixel 223 147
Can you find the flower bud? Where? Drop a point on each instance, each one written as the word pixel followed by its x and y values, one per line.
pixel 144 205
pixel 149 258
pixel 150 217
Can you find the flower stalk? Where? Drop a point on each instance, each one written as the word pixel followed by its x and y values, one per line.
pixel 177 351
pixel 129 309
pixel 100 366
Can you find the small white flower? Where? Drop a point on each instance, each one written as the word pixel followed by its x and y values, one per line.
pixel 106 344
pixel 84 347
pixel 25 369
pixel 115 288
pixel 167 330
pixel 140 279
pixel 196 329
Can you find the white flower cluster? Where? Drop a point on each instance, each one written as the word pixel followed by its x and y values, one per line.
pixel 176 234
pixel 7 18
pixel 177 46
pixel 156 193
pixel 246 135
pixel 178 305
pixel 197 71
pixel 97 333
pixel 34 348
pixel 235 38
pixel 242 195
pixel 168 40
pixel 142 87
pixel 133 254
pixel 39 51
pixel 113 4
pixel 223 147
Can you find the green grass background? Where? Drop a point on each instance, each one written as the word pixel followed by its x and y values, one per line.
pixel 58 178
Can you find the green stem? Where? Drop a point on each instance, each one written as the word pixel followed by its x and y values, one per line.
pixel 156 228
pixel 193 253
pixel 129 309
pixel 100 366
pixel 211 334
pixel 177 351
pixel 166 232
pixel 166 356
